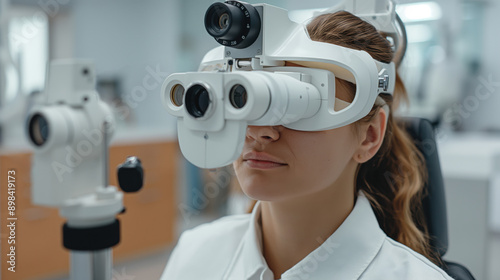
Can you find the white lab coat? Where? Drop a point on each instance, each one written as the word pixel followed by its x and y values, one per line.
pixel 230 249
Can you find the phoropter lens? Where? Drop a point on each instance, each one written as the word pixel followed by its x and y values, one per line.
pixel 38 129
pixel 197 101
pixel 219 18
pixel 238 96
pixel 233 23
pixel 177 94
pixel 224 21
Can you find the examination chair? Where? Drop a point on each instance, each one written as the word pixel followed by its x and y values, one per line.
pixel 434 203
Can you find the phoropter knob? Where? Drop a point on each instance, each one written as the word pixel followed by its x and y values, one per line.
pixel 131 175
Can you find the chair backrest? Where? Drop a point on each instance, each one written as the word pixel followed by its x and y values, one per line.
pixel 434 203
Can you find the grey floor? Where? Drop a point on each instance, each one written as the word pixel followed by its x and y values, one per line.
pixel 150 267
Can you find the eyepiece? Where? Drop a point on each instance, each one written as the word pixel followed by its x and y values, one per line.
pixel 197 101
pixel 233 23
pixel 38 129
pixel 238 96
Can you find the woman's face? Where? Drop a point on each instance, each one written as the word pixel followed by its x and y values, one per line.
pixel 279 163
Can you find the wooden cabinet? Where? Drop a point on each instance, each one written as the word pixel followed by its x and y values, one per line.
pixel 147 226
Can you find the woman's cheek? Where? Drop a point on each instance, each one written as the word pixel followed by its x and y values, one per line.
pixel 320 162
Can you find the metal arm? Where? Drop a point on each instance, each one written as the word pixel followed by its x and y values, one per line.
pixel 381 14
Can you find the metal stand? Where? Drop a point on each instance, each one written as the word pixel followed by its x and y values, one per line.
pixel 92 228
pixel 95 265
pixel 88 220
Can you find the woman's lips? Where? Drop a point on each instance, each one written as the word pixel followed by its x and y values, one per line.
pixel 261 160
pixel 262 164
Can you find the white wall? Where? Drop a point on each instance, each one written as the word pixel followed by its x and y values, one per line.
pixel 131 40
pixel 487 115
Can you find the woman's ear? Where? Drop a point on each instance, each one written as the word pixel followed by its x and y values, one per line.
pixel 371 137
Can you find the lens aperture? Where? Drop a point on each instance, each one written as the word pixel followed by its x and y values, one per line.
pixel 224 21
pixel 38 129
pixel 177 94
pixel 197 101
pixel 238 96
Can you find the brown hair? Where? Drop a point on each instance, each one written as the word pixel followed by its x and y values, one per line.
pixel 393 179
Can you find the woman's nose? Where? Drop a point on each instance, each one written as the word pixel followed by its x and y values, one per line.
pixel 263 134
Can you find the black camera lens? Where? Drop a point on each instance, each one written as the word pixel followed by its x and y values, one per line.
pixel 219 21
pixel 238 96
pixel 38 129
pixel 197 101
pixel 233 23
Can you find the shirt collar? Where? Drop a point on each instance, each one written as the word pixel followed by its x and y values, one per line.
pixel 344 255
pixel 248 262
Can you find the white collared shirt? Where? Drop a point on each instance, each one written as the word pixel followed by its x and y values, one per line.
pixel 230 248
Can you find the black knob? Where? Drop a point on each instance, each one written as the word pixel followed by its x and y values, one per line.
pixel 131 175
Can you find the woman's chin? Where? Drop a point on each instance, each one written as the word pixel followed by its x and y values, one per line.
pixel 263 190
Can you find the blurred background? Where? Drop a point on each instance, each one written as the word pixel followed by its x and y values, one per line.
pixel 450 70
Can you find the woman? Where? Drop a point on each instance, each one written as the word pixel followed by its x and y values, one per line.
pixel 336 204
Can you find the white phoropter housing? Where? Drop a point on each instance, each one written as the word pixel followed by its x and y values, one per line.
pixel 70 131
pixel 67 131
pixel 245 81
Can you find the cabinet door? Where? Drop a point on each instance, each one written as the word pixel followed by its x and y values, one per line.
pixel 146 226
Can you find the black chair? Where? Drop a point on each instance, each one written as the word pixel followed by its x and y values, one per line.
pixel 434 203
